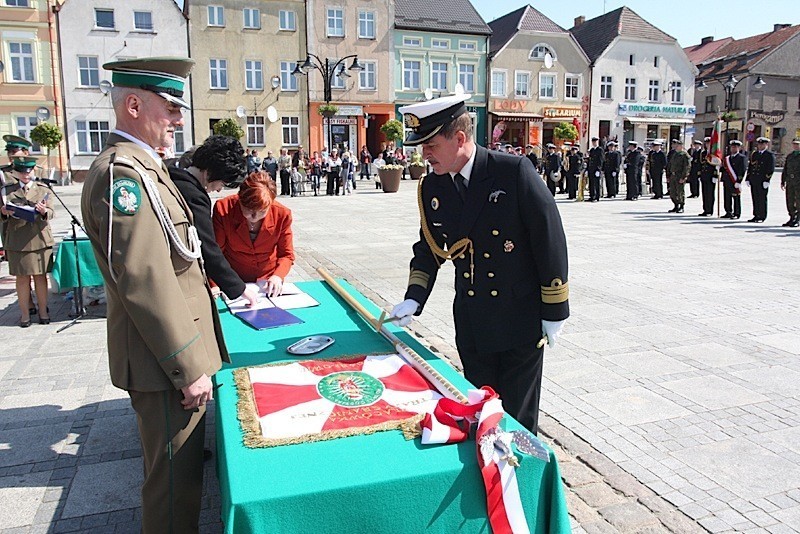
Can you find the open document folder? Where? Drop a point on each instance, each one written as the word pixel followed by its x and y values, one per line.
pixel 270 312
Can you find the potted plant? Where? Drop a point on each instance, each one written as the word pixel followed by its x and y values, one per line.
pixel 416 168
pixel 393 130
pixel 390 176
pixel 565 132
pixel 328 110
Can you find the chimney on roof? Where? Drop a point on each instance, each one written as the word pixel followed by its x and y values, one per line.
pixel 777 27
pixel 706 40
pixel 579 20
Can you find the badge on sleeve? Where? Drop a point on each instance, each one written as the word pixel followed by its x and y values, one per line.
pixel 435 203
pixel 126 196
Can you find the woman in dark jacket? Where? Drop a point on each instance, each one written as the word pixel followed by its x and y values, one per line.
pixel 217 162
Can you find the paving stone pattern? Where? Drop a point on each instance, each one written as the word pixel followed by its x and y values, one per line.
pixel 671 399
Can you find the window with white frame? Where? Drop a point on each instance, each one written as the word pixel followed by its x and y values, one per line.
pixel 179 143
pixel 605 86
pixel 522 84
pixel 290 126
pixel 367 76
pixel 252 18
pixel 547 85
pixel 219 73
pixel 540 51
pixel 630 89
pixel 91 136
pixel 104 19
pixel 21 56
pixel 439 75
pixel 467 46
pixel 572 84
pixel 17 3
pixel 288 81
pixel 335 22
pixel 253 75
pixel 216 16
pixel 287 21
pixel 412 41
pixel 88 71
pixel 255 130
pixel 466 76
pixel 440 43
pixel 24 127
pixel 366 24
pixel 654 91
pixel 677 92
pixel 143 21
pixel 411 74
pixel 499 82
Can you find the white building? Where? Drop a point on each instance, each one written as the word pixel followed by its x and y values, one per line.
pixel 642 82
pixel 94 32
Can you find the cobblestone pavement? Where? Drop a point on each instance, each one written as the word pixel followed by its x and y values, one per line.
pixel 671 400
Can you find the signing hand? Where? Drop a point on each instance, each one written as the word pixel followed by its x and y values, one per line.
pixel 404 312
pixel 274 286
pixel 198 393
pixel 250 296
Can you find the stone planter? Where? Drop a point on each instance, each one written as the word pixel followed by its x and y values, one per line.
pixel 416 171
pixel 390 179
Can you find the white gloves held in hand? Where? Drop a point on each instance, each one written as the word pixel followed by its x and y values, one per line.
pixel 552 329
pixel 404 312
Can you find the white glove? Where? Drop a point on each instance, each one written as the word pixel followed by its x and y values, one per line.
pixel 766 185
pixel 552 329
pixel 404 312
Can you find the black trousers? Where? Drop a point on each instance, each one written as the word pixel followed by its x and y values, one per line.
pixel 731 199
pixel 551 185
pixel 657 183
pixel 285 179
pixel 631 186
pixel 759 194
pixel 694 185
pixel 612 185
pixel 515 374
pixel 572 185
pixel 708 194
pixel 594 184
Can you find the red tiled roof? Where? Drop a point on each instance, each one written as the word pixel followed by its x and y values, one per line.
pixel 701 52
pixel 740 55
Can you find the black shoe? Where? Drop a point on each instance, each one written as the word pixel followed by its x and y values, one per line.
pixel 752 220
pixel 727 216
pixel 788 223
pixel 45 320
pixel 680 210
pixel 758 221
pixel 794 224
pixel 736 217
pixel 24 324
pixel 673 210
pixel 704 214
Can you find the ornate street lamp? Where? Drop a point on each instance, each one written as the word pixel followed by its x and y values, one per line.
pixel 729 86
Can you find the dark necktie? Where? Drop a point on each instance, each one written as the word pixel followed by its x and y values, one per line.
pixel 461 187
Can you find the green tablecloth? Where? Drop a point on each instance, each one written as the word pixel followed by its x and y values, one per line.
pixel 371 483
pixel 64 265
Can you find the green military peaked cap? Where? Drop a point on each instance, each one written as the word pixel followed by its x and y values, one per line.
pixel 15 141
pixel 165 76
pixel 23 162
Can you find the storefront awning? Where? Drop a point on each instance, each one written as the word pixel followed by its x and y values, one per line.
pixel 517 116
pixel 658 120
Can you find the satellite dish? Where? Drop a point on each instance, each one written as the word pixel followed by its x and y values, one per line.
pixel 428 93
pixel 272 114
pixel 105 87
pixel 548 60
pixel 241 112
pixel 42 113
pixel 458 89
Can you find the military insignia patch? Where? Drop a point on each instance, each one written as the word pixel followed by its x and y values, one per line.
pixel 508 246
pixel 126 196
pixel 435 203
pixel 494 195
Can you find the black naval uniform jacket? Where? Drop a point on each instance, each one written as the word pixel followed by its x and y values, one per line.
pixel 739 166
pixel 552 163
pixel 632 164
pixel 520 253
pixel 658 162
pixel 762 165
pixel 595 160
pixel 612 162
pixel 707 171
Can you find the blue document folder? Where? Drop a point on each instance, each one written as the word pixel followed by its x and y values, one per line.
pixel 265 318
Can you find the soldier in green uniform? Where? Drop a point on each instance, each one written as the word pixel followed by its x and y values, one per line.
pixel 491 214
pixel 15 146
pixel 678 171
pixel 164 336
pixel 790 183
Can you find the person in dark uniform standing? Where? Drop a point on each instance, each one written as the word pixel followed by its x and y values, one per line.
pixel 734 169
pixel 574 172
pixel 790 183
pixel 552 167
pixel 672 149
pixel 759 173
pixel 656 163
pixel 631 167
pixel 611 164
pixel 594 169
pixel 531 155
pixel 503 232
pixel 640 170
pixel 696 153
pixel 164 336
pixel 709 174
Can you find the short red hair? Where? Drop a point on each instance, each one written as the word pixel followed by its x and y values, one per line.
pixel 257 191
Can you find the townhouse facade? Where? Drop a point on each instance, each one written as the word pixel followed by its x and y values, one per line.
pixel 539 78
pixel 95 32
pixel 440 48
pixel 245 52
pixel 30 86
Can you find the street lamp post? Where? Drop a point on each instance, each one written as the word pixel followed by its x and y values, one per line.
pixel 729 86
pixel 328 68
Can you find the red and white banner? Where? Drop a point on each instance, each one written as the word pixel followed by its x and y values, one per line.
pixel 324 399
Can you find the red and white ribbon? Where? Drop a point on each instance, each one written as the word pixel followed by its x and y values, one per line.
pixel 449 423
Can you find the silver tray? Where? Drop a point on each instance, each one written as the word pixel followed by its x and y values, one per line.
pixel 310 345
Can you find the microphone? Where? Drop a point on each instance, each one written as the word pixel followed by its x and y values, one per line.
pixel 46 181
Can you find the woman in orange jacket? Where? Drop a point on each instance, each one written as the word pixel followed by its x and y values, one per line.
pixel 255 233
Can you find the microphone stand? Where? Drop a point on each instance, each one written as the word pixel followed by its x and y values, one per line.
pixel 80 312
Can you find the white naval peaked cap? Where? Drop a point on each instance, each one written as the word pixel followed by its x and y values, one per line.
pixel 426 119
